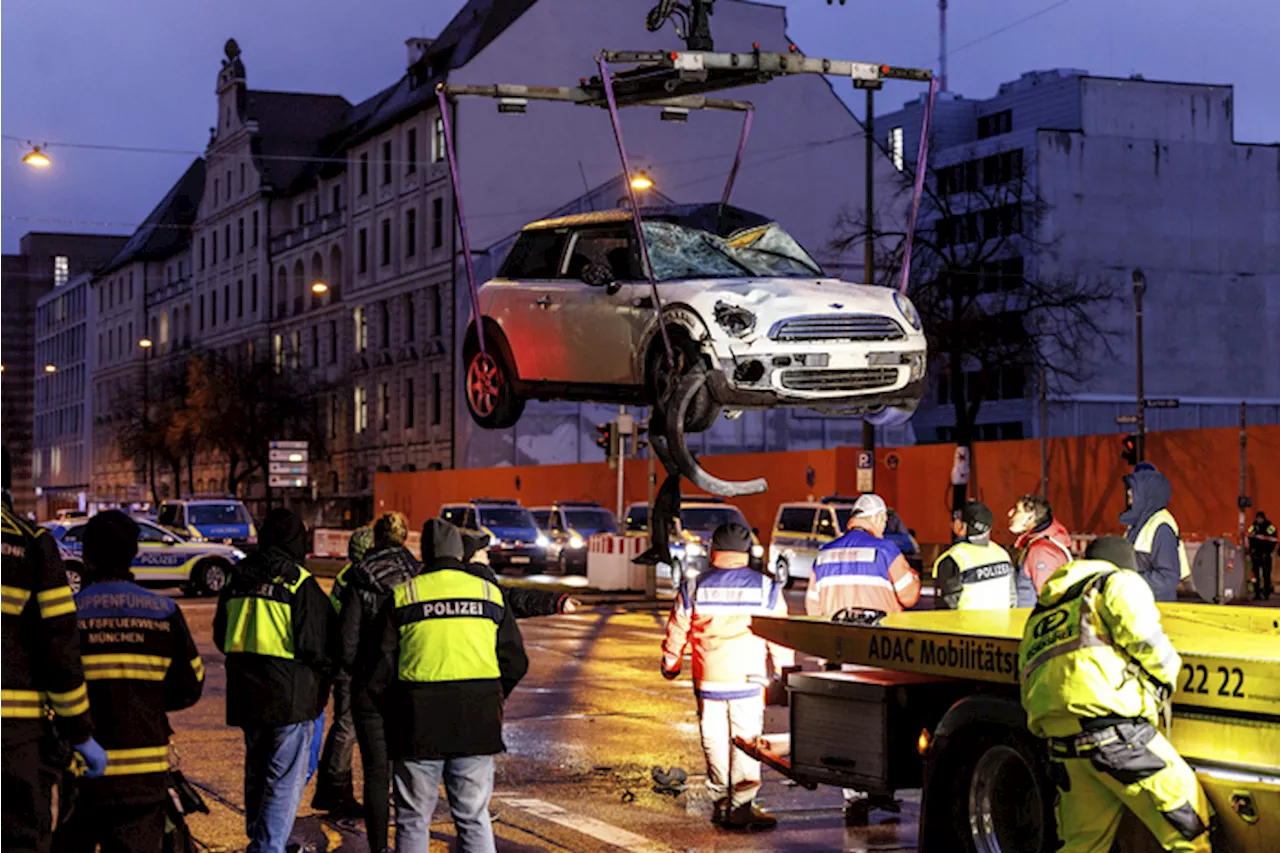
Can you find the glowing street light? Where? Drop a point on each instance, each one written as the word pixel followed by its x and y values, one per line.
pixel 641 182
pixel 37 158
pixel 50 368
pixel 145 343
pixel 319 287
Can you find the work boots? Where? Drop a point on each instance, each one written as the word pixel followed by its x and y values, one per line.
pixel 748 816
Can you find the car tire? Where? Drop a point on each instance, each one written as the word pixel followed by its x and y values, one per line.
pixel 209 577
pixel 782 573
pixel 75 576
pixel 996 792
pixel 489 385
pixel 703 409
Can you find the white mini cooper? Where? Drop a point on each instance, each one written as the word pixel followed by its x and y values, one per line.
pixel 570 315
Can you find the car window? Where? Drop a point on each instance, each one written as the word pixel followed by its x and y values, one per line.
pixel 148 532
pixel 542 516
pixel 680 252
pixel 829 522
pixel 708 518
pixel 227 513
pixel 894 525
pixel 506 516
pixel 557 521
pixel 638 519
pixel 170 514
pixel 796 519
pixel 612 247
pixel 536 254
pixel 842 518
pixel 73 533
pixel 591 520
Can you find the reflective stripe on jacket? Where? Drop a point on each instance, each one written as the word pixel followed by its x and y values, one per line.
pixel 711 617
pixel 1093 647
pixel 260 619
pixel 985 573
pixel 1146 537
pixel 860 570
pixel 447 621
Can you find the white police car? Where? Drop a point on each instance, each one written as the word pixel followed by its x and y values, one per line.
pixel 165 558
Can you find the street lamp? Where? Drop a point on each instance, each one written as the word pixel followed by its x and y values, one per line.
pixel 1139 288
pixel 319 288
pixel 641 182
pixel 145 343
pixel 51 368
pixel 37 158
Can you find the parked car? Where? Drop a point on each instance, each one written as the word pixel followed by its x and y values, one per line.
pixel 209 518
pixel 568 525
pixel 165 558
pixel 514 539
pixel 570 315
pixel 800 529
pixel 691 541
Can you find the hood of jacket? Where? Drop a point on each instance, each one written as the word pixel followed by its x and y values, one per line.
pixel 473 544
pixel 1055 530
pixel 383 570
pixel 1068 576
pixel 441 540
pixel 1151 491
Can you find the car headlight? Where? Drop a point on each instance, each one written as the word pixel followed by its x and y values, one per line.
pixel 757 551
pixel 541 541
pixel 908 310
pixel 575 541
pixel 735 321
pixel 917 362
pixel 238 554
pixel 494 542
pixel 693 549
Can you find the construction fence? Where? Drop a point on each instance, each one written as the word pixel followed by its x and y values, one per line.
pixel 1084 474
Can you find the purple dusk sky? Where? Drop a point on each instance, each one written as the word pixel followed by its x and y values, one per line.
pixel 142 73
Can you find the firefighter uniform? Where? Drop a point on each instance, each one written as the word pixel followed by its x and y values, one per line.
pixel 975 573
pixel 41 672
pixel 1096 671
pixel 140 662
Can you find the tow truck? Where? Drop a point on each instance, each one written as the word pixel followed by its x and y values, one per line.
pixel 931 702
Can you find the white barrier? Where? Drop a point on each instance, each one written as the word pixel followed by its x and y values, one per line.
pixel 609 563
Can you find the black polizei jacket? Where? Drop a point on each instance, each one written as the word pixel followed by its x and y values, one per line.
pixel 524 603
pixel 369 585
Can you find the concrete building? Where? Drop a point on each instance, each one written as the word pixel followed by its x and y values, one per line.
pixel 62 459
pixel 44 261
pixel 1132 173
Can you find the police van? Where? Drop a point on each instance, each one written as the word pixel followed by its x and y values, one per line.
pixel 209 518
pixel 515 542
pixel 801 529
pixel 165 558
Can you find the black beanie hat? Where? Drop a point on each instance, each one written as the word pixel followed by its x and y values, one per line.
pixel 284 530
pixel 731 537
pixel 1115 550
pixel 110 543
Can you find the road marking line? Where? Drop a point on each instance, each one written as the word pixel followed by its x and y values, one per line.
pixel 597 829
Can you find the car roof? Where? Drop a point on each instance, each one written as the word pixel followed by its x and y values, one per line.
pixel 716 218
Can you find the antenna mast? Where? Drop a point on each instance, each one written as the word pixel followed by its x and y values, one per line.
pixel 942 45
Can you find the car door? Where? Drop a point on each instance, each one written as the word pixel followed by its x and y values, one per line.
pixel 161 554
pixel 592 328
pixel 520 298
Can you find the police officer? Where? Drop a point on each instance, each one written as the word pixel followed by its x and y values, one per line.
pixel 1262 543
pixel 712 617
pixel 140 662
pixel 272 624
pixel 453 653
pixel 975 573
pixel 41 666
pixel 1153 532
pixel 1096 673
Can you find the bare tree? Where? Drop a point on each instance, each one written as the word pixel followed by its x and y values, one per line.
pixel 994 312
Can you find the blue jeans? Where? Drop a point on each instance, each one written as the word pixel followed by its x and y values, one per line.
pixel 275 772
pixel 468 782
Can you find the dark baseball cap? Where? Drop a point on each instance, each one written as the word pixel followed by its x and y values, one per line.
pixel 1116 550
pixel 731 537
pixel 977 517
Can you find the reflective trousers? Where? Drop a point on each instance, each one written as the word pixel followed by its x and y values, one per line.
pixel 730 771
pixel 1141 772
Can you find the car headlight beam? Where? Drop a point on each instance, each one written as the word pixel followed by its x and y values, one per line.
pixel 541 541
pixel 576 541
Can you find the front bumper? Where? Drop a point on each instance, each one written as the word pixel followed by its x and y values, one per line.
pixel 517 556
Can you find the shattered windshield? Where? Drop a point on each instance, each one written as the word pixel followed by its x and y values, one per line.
pixel 679 252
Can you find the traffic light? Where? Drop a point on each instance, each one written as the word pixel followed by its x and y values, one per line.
pixel 607 441
pixel 641 442
pixel 1130 453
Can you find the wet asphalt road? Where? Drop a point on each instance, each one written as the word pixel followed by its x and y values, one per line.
pixel 583 731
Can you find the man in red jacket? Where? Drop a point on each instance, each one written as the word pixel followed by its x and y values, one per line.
pixel 1043 544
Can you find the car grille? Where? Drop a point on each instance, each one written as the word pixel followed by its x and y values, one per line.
pixel 837 327
pixel 862 379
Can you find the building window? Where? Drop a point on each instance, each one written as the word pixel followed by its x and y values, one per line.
pixel 333 423
pixel 410 232
pixel 216 191
pixel 253 295
pixel 213 313
pixel 361 409
pixel 333 341
pixel 228 184
pixel 895 148
pixel 995 124
pixel 242 177
pixel 411 151
pixel 437 312
pixel 302 214
pixel 384 406
pixel 226 233
pixel 277 352
pixel 337 197
pixel 409 404
pixel 384 309
pixel 213 255
pixel 61 270
pixel 437 141
pixel 226 303
pixel 437 396
pixel 362 329
pixel 254 239
pixel 202 312
pixel 437 223
pixel 364 173
pixel 295 349
pixel 386 162
pixel 410 319
pixel 202 261
pixel 240 236
pixel 362 250
pixel 386 242
pixel 240 298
